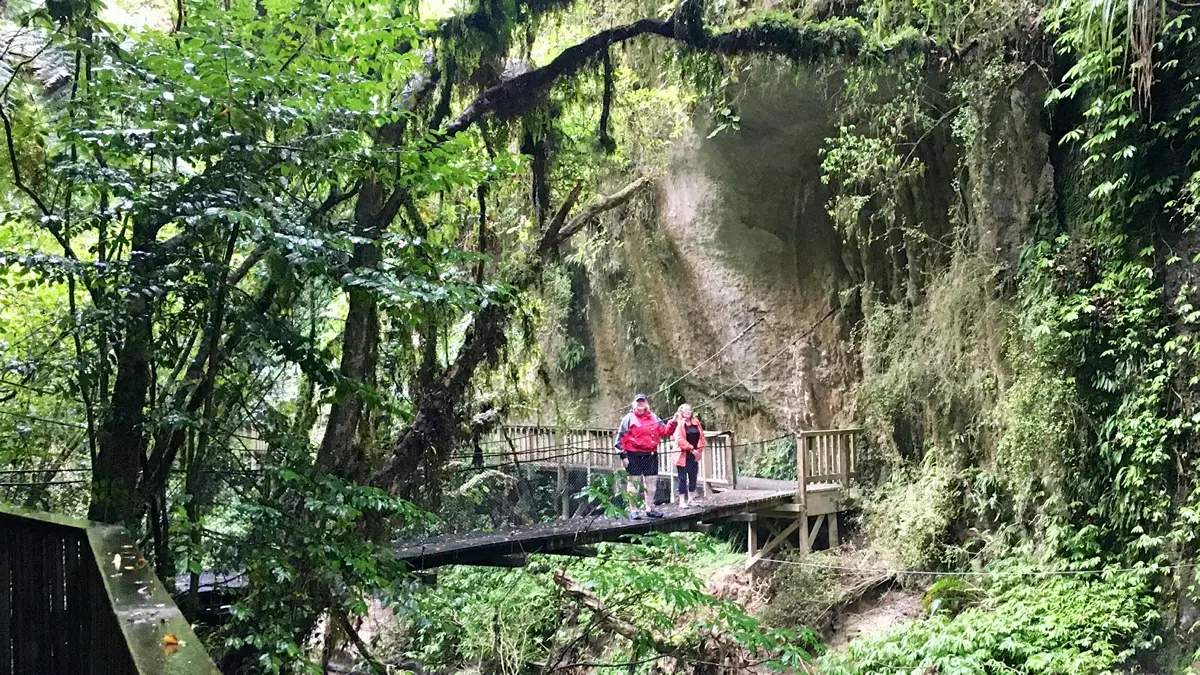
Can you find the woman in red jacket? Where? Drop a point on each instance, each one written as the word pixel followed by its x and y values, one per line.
pixel 637 443
pixel 689 439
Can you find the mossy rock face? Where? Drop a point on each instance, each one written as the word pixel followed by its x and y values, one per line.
pixel 770 219
pixel 738 235
pixel 1011 178
pixel 738 232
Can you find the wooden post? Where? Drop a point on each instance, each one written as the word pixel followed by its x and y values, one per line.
pixel 704 471
pixel 833 530
pixel 802 440
pixel 801 469
pixel 844 443
pixel 751 543
pixel 560 473
pixel 731 465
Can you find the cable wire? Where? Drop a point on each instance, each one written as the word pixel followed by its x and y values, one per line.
pixel 771 360
pixel 981 573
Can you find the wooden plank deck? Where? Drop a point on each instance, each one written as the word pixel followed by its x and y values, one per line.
pixel 825 460
pixel 475 547
pixel 472 548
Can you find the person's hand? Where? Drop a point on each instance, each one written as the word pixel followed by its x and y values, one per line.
pixel 625 463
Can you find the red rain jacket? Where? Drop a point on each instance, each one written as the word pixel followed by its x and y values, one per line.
pixel 640 433
pixel 683 445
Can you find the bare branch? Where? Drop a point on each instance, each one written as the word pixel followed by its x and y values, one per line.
pixel 610 620
pixel 557 233
pixel 551 239
pixel 12 148
pixel 361 646
pixel 593 210
pixel 513 97
pixel 607 144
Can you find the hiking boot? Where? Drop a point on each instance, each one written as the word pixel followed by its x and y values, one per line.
pixel 636 515
pixel 654 514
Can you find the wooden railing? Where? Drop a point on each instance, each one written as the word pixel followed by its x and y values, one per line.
pixel 827 456
pixel 77 597
pixel 593 448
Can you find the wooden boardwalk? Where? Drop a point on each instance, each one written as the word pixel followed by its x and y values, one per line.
pixel 568 535
pixel 826 460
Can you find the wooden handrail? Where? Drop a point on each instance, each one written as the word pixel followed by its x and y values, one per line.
pixel 77 597
pixel 532 444
pixel 826 456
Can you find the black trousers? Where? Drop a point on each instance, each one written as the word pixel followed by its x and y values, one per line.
pixel 686 475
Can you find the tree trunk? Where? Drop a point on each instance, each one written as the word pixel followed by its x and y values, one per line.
pixel 419 453
pixel 342 449
pixel 122 445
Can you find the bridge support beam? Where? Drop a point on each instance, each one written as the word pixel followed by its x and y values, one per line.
pixel 751 542
pixel 509 560
pixel 754 555
pixel 810 538
pixel 577 551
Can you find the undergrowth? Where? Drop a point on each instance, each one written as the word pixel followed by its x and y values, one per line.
pixel 911 516
pixel 1054 625
pixel 512 620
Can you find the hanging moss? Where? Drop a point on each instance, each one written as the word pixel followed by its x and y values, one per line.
pixel 808 42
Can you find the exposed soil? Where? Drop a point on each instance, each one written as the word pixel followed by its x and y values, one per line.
pixel 872 616
pixel 740 585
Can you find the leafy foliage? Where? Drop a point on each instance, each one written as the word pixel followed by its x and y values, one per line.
pixel 949 595
pixel 775 460
pixel 1058 625
pixel 307 543
pixel 506 619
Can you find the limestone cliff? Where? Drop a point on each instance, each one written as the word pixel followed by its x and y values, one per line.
pixel 737 235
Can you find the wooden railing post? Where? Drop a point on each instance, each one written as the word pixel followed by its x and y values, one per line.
pixel 802 468
pixel 731 460
pixel 844 444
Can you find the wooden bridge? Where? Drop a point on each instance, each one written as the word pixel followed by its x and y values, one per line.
pixel 826 462
pixel 77 597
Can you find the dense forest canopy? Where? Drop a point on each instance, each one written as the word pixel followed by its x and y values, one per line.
pixel 272 267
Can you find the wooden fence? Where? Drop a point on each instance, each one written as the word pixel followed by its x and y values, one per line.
pixel 824 457
pixel 593 449
pixel 827 456
pixel 77 597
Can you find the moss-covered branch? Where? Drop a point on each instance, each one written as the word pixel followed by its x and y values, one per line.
pixel 774 35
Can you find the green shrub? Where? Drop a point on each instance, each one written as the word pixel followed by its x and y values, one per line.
pixel 1058 625
pixel 775 460
pixel 497 617
pixel 949 595
pixel 508 621
pixel 911 516
pixel 800 595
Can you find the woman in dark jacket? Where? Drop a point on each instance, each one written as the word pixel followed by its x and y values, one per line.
pixel 689 440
